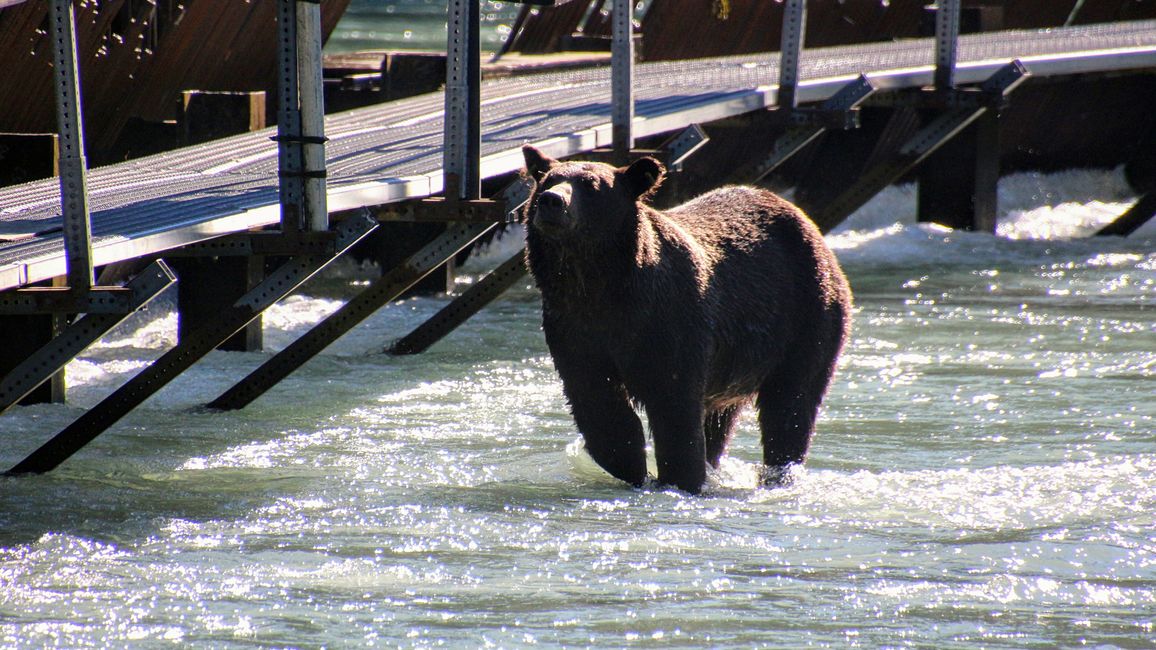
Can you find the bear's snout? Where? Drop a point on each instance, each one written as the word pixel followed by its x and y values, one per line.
pixel 553 207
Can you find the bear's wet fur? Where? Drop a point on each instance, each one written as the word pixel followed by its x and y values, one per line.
pixel 690 313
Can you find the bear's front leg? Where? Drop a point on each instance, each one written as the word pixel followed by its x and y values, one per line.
pixel 679 442
pixel 605 418
pixel 612 432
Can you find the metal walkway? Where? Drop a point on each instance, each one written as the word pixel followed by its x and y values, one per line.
pixel 393 151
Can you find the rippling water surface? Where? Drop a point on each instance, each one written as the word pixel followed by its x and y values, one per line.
pixel 984 475
pixel 414 25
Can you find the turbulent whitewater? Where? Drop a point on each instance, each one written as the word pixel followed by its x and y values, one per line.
pixel 984 474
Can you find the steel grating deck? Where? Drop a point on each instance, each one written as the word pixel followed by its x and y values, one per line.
pixel 390 152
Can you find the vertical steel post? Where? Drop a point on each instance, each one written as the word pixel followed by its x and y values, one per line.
pixel 621 78
pixel 947 16
pixel 461 163
pixel 790 50
pixel 312 112
pixel 290 163
pixel 73 167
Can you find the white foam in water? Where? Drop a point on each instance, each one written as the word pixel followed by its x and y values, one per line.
pixel 499 249
pixel 982 474
pixel 1063 205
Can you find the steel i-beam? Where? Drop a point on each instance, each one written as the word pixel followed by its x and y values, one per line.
pixel 178 359
pixel 73 166
pixel 621 79
pixel 364 304
pixel 50 359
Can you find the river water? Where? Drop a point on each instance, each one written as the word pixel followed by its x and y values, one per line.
pixel 414 25
pixel 984 474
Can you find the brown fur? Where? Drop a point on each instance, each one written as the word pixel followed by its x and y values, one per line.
pixel 691 313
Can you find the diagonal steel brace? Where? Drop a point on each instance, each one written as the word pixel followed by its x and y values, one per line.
pixel 377 295
pixel 922 144
pixel 48 360
pixel 200 342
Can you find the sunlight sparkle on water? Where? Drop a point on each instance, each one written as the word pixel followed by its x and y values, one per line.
pixel 983 474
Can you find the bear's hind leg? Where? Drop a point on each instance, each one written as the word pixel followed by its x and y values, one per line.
pixel 679 444
pixel 718 427
pixel 788 405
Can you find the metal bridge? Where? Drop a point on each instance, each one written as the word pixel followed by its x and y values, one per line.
pixel 271 193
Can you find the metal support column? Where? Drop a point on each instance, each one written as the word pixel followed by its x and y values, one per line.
pixel 790 51
pixel 621 79
pixel 947 14
pixel 289 150
pixel 73 167
pixel 958 184
pixel 208 285
pixel 312 103
pixel 462 135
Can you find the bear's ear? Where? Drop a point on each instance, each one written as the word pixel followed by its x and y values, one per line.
pixel 537 163
pixel 643 176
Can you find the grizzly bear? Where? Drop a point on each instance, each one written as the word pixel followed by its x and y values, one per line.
pixel 689 313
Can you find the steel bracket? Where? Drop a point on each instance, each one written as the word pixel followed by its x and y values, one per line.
pixel 682 145
pixel 272 243
pixel 98 300
pixel 840 111
pixel 991 94
pixel 439 209
pixel 48 360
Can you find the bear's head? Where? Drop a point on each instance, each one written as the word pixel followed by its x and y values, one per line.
pixel 589 200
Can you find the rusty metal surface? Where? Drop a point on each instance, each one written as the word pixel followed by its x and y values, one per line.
pixel 136 56
pixel 675 29
pixel 392 152
pixel 542 29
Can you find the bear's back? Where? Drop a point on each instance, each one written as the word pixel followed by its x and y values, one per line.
pixel 746 226
pixel 771 274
